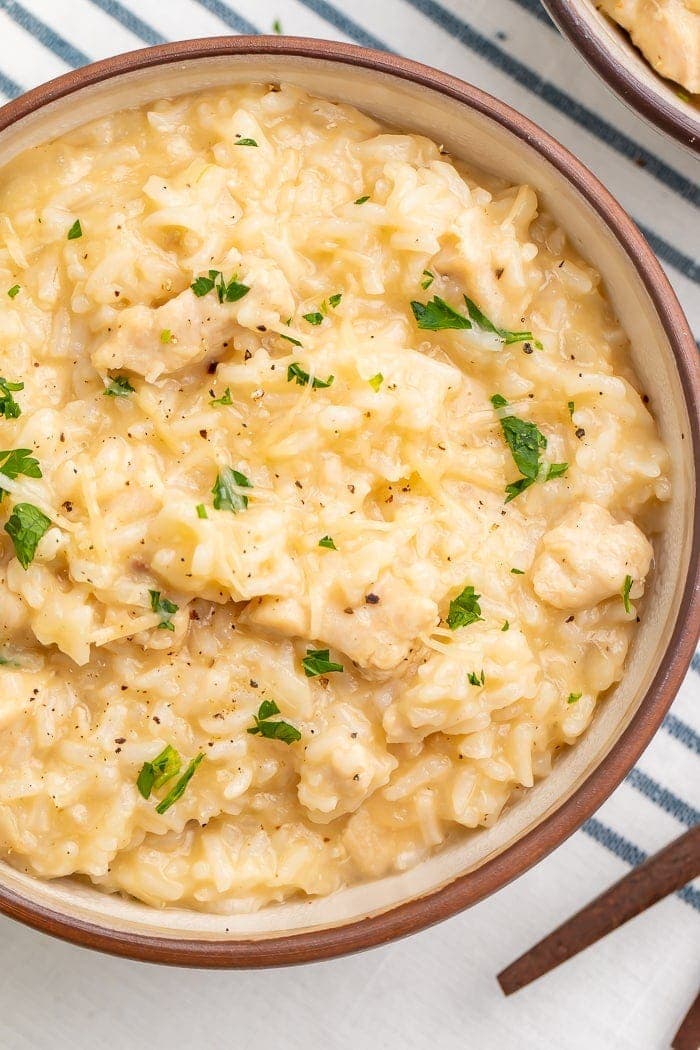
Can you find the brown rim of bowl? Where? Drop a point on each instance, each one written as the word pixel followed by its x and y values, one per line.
pixel 632 88
pixel 468 889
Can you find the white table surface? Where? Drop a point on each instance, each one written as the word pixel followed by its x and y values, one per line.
pixel 437 989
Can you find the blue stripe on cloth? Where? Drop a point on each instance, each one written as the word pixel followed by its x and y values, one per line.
pixel 675 258
pixel 666 800
pixel 130 21
pixel 551 94
pixel 345 24
pixel 8 87
pixel 631 854
pixel 534 7
pixel 228 17
pixel 682 732
pixel 44 34
pixel 695 662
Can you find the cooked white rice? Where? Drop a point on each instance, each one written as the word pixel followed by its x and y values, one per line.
pixel 402 462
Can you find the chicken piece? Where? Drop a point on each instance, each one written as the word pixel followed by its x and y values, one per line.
pixel 667 32
pixel 343 765
pixel 377 636
pixel 195 324
pixel 585 558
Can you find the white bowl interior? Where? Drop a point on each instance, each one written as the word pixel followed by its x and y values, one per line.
pixel 475 137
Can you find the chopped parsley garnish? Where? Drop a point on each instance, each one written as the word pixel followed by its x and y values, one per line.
pixel 376 381
pixel 518 572
pixel 227 291
pixel 314 318
pixel 505 626
pixel 163 768
pixel 225 398
pixel 119 387
pixel 327 542
pixel 16 461
pixel 475 679
pixel 482 322
pixel 225 490
pixel 277 27
pixel 75 231
pixel 574 697
pixel 361 200
pixel 625 592
pixel 245 142
pixel 201 511
pixel 179 790
pixel 290 339
pixel 438 315
pixel 8 406
pixel 273 730
pixel 464 609
pixel 526 444
pixel 428 279
pixel 296 372
pixel 25 527
pixel 571 407
pixel 14 291
pixel 165 609
pixel 166 336
pixel 334 300
pixel 317 661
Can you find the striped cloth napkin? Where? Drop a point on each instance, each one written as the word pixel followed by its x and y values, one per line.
pixel 438 988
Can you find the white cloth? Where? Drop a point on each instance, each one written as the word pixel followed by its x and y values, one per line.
pixel 437 989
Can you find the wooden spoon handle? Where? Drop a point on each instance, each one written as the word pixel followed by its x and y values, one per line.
pixel 667 871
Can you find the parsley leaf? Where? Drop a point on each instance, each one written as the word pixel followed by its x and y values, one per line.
pixel 166 336
pixel 225 490
pixel 290 339
pixel 154 774
pixel 14 291
pixel 327 542
pixel 277 27
pixel 334 300
pixel 464 609
pixel 18 461
pixel 8 406
pixel 277 730
pixel 245 142
pixel 361 200
pixel 573 697
pixel 428 279
pixel 571 407
pixel 227 292
pixel 482 322
pixel 625 592
pixel 314 318
pixel 317 661
pixel 201 511
pixel 296 372
pixel 165 609
pixel 225 398
pixel 376 381
pixel 518 572
pixel 179 790
pixel 119 387
pixel 25 527
pixel 505 626
pixel 526 444
pixel 75 231
pixel 437 315
pixel 474 678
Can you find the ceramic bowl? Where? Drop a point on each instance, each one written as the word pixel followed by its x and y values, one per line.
pixel 477 127
pixel 608 49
